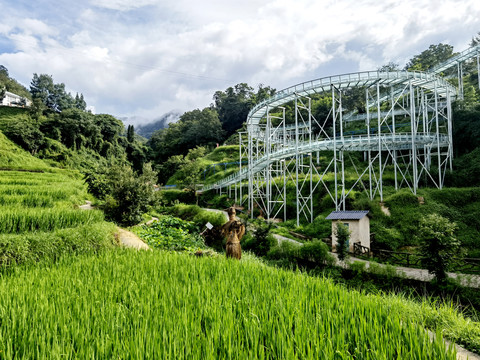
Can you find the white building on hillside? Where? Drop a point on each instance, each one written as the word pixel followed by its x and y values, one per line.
pixel 12 99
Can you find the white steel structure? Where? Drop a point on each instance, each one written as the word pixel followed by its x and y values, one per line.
pixel 405 123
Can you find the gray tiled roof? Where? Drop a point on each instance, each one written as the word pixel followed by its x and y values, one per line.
pixel 347 215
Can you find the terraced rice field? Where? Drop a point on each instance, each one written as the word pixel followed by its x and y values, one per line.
pixel 159 305
pixel 40 218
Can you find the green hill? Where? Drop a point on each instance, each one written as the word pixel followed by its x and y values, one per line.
pixel 12 157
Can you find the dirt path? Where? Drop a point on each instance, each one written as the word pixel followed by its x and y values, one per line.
pixel 129 239
pixel 462 354
pixel 218 212
pixel 86 206
pixel 410 273
pixel 418 274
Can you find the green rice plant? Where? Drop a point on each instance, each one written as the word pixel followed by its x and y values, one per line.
pixel 26 201
pixel 30 248
pixel 126 304
pixel 19 220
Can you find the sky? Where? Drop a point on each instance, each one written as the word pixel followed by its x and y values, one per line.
pixel 140 59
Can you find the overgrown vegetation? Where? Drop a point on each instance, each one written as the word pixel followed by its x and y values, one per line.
pixel 171 233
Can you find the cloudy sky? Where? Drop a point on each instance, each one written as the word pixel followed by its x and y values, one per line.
pixel 145 58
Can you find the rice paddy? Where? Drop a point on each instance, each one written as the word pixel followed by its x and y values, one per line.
pixel 40 218
pixel 159 305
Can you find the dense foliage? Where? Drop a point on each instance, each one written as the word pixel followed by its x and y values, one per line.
pixel 261 241
pixel 434 55
pixel 195 128
pixel 171 233
pixel 54 96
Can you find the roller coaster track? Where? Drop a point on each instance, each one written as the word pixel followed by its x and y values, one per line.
pixel 354 143
pixel 457 59
pixel 423 98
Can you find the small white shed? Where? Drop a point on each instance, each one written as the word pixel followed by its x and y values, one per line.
pixel 358 224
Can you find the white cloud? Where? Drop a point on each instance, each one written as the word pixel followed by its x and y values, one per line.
pixel 36 27
pixel 147 61
pixel 122 5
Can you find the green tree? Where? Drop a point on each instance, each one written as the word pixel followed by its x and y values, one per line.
pixel 438 245
pixel 127 195
pixel 263 240
pixel 391 66
pixel 195 128
pixel 41 87
pixel 234 104
pixel 80 102
pixel 434 55
pixel 53 96
pixel 110 127
pixel 3 73
pixel 136 154
pixel 167 168
pixel 26 134
pixel 130 133
pixel 475 40
pixel 192 169
pixel 466 129
pixel 343 236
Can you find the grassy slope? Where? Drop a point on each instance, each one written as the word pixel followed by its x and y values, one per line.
pixel 8 114
pixel 13 157
pixel 40 219
pixel 222 154
pixel 165 305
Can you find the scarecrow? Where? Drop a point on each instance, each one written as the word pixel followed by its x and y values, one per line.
pixel 233 230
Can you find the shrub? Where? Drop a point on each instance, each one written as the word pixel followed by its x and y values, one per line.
pixel 127 195
pixel 285 250
pixel 316 251
pixel 438 245
pixel 343 235
pixel 403 198
pixel 214 218
pixel 386 237
pixel 170 196
pixel 319 228
pixel 184 211
pixel 262 241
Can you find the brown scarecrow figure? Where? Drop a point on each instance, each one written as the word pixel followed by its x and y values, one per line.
pixel 233 230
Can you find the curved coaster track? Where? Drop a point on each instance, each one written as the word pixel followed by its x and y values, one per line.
pixel 397 121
